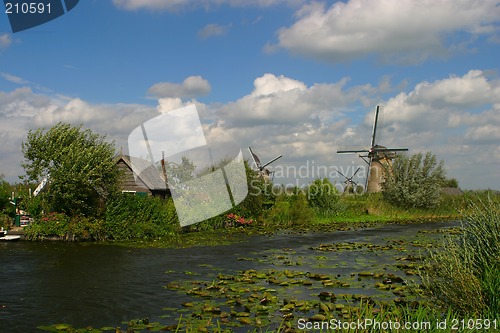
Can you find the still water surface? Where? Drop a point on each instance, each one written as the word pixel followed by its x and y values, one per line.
pixel 43 283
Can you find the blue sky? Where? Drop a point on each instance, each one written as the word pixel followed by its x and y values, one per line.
pixel 288 77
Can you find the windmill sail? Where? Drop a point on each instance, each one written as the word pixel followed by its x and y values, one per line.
pixel 263 171
pixel 271 161
pixel 255 158
pixel 374 131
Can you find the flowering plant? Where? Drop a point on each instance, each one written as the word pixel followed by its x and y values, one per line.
pixel 54 217
pixel 235 220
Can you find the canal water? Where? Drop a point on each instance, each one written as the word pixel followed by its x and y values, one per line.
pixel 43 283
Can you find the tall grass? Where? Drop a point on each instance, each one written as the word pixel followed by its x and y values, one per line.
pixel 465 273
pixel 363 319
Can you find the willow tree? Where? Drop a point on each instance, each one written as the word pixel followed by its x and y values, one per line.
pixel 78 164
pixel 414 181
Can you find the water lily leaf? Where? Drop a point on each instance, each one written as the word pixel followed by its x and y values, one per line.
pixel 245 320
pixel 324 308
pixel 62 326
pixel 317 317
pixel 242 314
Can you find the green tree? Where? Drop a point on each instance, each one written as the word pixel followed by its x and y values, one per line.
pixel 79 165
pixel 450 182
pixel 182 172
pixel 6 209
pixel 414 181
pixel 5 193
pixel 322 195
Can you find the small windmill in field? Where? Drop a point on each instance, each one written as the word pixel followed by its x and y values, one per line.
pixel 261 168
pixel 377 157
pixel 350 185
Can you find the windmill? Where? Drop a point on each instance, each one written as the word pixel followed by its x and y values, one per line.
pixel 263 171
pixel 377 157
pixel 350 185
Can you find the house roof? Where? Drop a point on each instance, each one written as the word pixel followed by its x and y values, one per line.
pixel 451 190
pixel 149 174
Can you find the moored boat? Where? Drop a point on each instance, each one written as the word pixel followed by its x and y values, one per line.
pixel 5 237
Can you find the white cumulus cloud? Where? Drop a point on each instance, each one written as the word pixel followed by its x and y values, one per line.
pixel 279 99
pixel 406 30
pixel 5 41
pixel 212 30
pixel 456 117
pixel 443 103
pixel 193 86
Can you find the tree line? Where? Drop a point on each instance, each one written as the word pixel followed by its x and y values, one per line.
pixel 84 181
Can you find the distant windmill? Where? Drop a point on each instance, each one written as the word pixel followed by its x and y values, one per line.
pixel 263 171
pixel 350 185
pixel 376 157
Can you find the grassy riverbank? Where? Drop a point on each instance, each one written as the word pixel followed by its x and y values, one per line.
pixel 351 212
pixel 150 220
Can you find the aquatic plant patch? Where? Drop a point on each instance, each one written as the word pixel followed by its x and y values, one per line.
pixel 294 286
pixel 316 283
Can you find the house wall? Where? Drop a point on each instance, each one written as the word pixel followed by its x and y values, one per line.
pixel 128 182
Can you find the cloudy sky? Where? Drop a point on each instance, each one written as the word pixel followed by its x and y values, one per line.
pixel 288 77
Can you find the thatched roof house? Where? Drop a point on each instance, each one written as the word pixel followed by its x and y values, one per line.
pixel 150 181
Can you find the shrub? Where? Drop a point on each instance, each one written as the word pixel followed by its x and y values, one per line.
pixel 279 213
pixel 5 190
pixel 233 220
pixel 86 228
pixel 5 221
pixel 323 196
pixel 414 182
pixel 128 216
pixel 300 213
pixel 250 208
pixel 258 193
pixel 289 210
pixel 465 273
pixel 48 225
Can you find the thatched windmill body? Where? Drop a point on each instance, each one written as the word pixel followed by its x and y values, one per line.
pixel 378 158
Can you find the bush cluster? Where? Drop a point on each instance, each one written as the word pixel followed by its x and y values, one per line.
pixel 5 221
pixel 414 181
pixel 61 226
pixel 126 217
pixel 289 210
pixel 233 220
pixel 135 217
pixel 323 196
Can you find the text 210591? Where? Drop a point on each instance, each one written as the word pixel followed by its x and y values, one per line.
pixel 27 8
